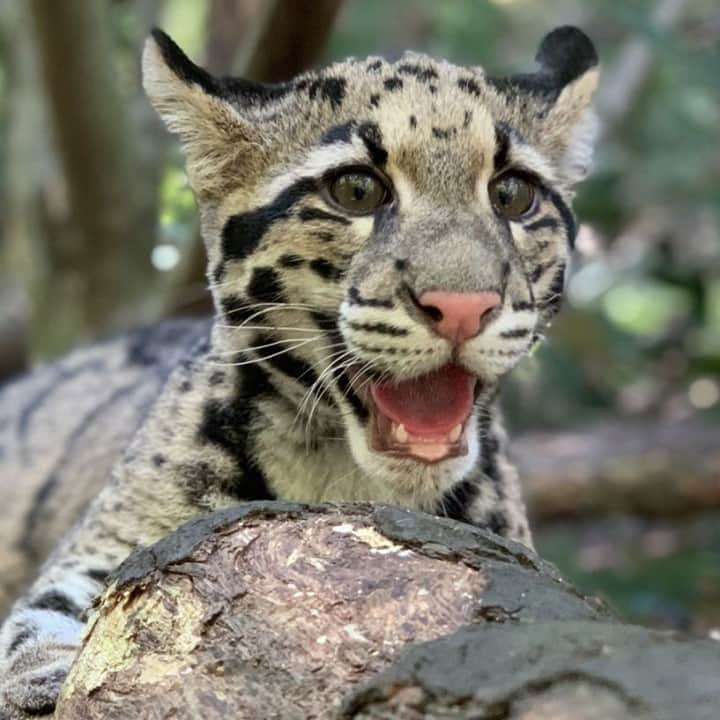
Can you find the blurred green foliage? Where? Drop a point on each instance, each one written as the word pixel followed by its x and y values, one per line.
pixel 655 573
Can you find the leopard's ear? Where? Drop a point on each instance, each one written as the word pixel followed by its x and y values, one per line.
pixel 214 118
pixel 562 88
pixel 568 59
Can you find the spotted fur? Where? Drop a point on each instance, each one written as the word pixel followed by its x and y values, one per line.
pixel 264 406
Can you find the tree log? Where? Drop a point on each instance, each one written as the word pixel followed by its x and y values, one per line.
pixel 653 469
pixel 569 670
pixel 291 611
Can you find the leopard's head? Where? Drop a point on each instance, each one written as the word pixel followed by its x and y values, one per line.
pixel 386 239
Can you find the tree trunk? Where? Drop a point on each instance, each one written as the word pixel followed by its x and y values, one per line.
pixel 107 258
pixel 289 611
pixel 291 38
pixel 13 330
pixel 35 218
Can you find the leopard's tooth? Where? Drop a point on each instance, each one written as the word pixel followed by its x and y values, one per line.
pixel 454 434
pixel 400 433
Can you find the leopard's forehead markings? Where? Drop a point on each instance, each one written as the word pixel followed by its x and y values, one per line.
pixel 431 117
pixel 372 79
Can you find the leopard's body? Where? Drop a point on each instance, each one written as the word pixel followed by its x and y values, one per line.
pixel 315 304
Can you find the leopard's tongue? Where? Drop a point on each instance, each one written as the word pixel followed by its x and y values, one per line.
pixel 428 406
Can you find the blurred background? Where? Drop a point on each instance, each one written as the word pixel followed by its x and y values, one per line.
pixel 617 417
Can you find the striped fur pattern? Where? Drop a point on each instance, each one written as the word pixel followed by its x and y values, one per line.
pixel 314 302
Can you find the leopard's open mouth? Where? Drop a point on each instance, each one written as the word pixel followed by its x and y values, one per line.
pixel 424 418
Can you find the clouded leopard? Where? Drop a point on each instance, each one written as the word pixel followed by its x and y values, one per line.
pixel 385 241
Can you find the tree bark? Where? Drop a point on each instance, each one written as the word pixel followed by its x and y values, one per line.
pixel 35 220
pixel 13 330
pixel 653 469
pixel 229 22
pixel 290 611
pixel 291 38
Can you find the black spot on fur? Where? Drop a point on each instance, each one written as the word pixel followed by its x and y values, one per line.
pixel 566 215
pixel 413 122
pixel 356 298
pixel 236 309
pixel 218 272
pixel 444 133
pixel 20 639
pixel 423 74
pixel 539 270
pixel 488 457
pixel 502 146
pixel 291 261
pixel 374 100
pixel 286 363
pixel 239 90
pixel 343 383
pixel 243 232
pixel 185 386
pixel 456 501
pixel 467 117
pixel 432 89
pixel 324 236
pixel 543 223
pixel 227 426
pixel 379 327
pixel 393 83
pixel 158 460
pixel 57 601
pixel 328 323
pixel 217 378
pixel 265 285
pixel 308 214
pixel 470 85
pixel 497 522
pixel 375 65
pixel 400 264
pixel 518 333
pixel 553 298
pixel 325 269
pixel 332 89
pixel 374 350
pixel 371 136
pixel 522 305
pixel 97 574
pixel 338 133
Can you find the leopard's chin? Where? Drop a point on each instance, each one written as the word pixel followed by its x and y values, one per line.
pixel 424 419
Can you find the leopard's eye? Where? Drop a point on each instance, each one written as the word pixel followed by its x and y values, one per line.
pixel 511 195
pixel 358 192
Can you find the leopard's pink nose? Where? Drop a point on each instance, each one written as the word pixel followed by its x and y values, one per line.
pixel 458 316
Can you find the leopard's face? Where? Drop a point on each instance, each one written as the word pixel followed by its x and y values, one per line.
pixel 386 239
